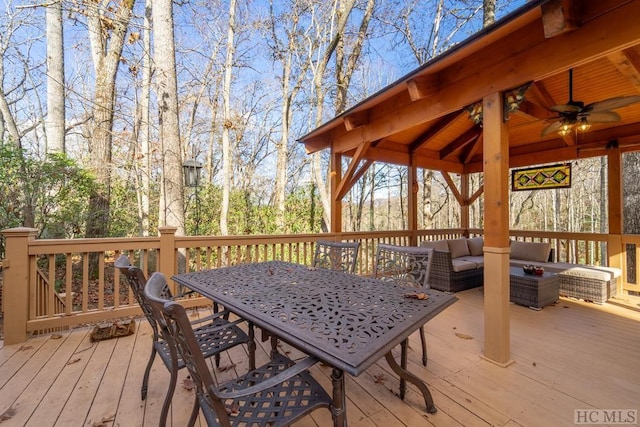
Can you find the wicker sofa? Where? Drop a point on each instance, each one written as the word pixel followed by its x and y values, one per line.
pixel 458 264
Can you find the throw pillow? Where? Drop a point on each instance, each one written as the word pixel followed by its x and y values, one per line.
pixel 438 245
pixel 475 246
pixel 530 251
pixel 458 247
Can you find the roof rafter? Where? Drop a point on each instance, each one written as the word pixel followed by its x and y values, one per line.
pixel 462 141
pixel 442 124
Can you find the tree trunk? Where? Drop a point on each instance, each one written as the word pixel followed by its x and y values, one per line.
pixel 106 49
pixel 167 88
pixel 488 12
pixel 227 122
pixel 55 122
pixel 145 125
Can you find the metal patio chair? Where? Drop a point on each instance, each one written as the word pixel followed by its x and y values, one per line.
pixel 409 267
pixel 278 393
pixel 336 255
pixel 214 333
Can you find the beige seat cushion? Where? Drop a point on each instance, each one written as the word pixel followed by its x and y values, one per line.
pixel 586 271
pixel 461 265
pixel 438 245
pixel 478 260
pixel 458 247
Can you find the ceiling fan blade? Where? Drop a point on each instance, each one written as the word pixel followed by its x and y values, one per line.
pixel 565 108
pixel 553 127
pixel 602 117
pixel 612 103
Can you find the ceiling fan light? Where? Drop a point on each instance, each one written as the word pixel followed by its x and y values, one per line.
pixel 565 130
pixel 584 125
pixel 566 127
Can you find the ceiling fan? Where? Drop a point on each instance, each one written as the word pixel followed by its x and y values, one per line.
pixel 576 115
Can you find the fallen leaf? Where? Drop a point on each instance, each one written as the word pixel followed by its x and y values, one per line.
pixel 225 368
pixel 232 409
pixel 464 336
pixel 25 347
pixel 379 379
pixel 8 414
pixel 72 361
pixel 104 421
pixel 188 384
pixel 417 295
pixel 56 336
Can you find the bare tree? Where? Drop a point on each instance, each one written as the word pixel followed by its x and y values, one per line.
pixel 144 194
pixel 172 212
pixel 108 25
pixel 55 122
pixel 227 122
pixel 346 63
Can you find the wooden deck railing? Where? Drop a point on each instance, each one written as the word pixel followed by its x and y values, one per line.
pixel 56 284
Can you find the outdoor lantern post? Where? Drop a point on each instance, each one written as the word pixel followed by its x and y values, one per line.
pixel 191 169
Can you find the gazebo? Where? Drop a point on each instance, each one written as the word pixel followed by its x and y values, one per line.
pixel 518 93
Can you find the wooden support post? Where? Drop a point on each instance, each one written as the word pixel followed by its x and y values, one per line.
pixel 412 200
pixel 167 257
pixel 15 293
pixel 615 251
pixel 336 203
pixel 464 207
pixel 496 229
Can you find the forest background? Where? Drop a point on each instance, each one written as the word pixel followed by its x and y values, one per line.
pixel 103 101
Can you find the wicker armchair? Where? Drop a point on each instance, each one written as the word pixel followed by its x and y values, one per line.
pixel 409 267
pixel 444 278
pixel 336 255
pixel 278 393
pixel 214 334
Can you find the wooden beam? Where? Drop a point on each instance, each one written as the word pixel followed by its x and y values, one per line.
pixel 423 86
pixel 541 94
pixel 464 206
pixel 336 204
pixel 614 165
pixel 533 111
pixel 473 149
pixel 441 125
pixel 453 188
pixel 628 63
pixel 560 16
pixel 402 158
pixel 355 120
pixel 460 142
pixel 475 195
pixel 412 201
pixel 615 251
pixel 594 39
pixel 346 182
pixel 317 143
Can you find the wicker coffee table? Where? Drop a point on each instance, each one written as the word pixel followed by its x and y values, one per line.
pixel 532 290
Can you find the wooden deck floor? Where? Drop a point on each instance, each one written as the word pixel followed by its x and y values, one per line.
pixel 572 355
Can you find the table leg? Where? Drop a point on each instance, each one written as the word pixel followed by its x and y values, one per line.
pixel 403 373
pixel 403 364
pixel 339 410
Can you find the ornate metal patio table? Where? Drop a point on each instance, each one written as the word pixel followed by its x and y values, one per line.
pixel 345 320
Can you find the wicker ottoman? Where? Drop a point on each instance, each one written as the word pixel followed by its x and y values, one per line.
pixel 590 283
pixel 531 290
